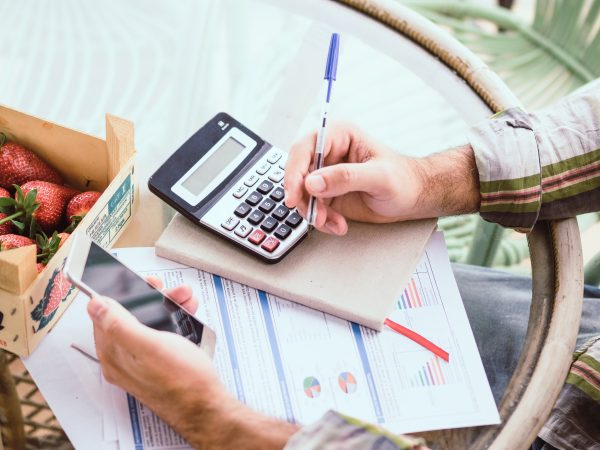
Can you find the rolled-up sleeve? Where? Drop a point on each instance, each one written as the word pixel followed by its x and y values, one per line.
pixel 336 431
pixel 542 165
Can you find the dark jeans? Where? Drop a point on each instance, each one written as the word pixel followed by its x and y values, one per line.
pixel 497 305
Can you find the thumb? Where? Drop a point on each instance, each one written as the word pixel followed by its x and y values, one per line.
pixel 340 179
pixel 108 315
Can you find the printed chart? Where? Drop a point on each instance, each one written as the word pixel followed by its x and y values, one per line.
pixel 296 363
pixel 347 383
pixel 312 387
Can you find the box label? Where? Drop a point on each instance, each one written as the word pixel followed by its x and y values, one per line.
pixel 115 214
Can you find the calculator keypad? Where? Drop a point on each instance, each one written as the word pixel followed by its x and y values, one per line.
pixel 253 211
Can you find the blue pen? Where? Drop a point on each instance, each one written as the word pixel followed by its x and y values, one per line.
pixel 330 74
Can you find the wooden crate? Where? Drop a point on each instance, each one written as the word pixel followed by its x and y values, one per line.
pixel 31 303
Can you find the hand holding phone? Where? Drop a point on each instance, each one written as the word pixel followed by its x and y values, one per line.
pixel 96 272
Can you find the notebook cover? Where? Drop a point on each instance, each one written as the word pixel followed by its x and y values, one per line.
pixel 357 277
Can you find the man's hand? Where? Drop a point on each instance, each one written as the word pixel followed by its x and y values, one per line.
pixel 176 380
pixel 364 181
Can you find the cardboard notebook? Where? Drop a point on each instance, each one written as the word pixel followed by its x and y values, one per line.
pixel 357 277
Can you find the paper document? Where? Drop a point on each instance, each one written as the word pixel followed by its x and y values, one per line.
pixel 295 363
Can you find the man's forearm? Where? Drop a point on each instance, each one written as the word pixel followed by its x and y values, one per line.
pixel 450 182
pixel 236 426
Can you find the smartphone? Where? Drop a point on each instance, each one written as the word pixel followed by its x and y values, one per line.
pixel 96 272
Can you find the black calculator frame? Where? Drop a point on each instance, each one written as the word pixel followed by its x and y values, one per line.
pixel 194 149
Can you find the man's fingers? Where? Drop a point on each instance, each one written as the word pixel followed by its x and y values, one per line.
pixel 109 315
pixel 184 296
pixel 297 167
pixel 155 282
pixel 333 181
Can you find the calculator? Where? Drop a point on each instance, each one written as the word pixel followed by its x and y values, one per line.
pixel 228 180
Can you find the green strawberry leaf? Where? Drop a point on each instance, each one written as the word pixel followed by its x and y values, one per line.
pixel 48 246
pixel 33 228
pixel 3 139
pixel 19 225
pixel 74 222
pixel 6 202
pixel 25 205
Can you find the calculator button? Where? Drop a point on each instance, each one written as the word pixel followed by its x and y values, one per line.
pixel 256 217
pixel 274 157
pixel 281 212
pixel 282 231
pixel 243 210
pixel 270 244
pixel 257 237
pixel 263 168
pixel 251 180
pixel 277 194
pixel 269 224
pixel 282 165
pixel 265 187
pixel 254 198
pixel 240 191
pixel 230 223
pixel 267 205
pixel 276 176
pixel 294 220
pixel 243 230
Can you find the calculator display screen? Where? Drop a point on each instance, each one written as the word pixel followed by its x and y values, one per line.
pixel 214 164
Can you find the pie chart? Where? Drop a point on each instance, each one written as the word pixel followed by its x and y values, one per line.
pixel 312 387
pixel 347 382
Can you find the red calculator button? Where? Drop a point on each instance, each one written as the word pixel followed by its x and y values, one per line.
pixel 257 237
pixel 270 244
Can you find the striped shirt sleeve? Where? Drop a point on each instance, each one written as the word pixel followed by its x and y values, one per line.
pixel 542 165
pixel 573 422
pixel 336 431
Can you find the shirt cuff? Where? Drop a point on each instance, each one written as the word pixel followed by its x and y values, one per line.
pixel 508 162
pixel 334 431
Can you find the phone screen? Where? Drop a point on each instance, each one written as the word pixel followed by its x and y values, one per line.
pixel 107 276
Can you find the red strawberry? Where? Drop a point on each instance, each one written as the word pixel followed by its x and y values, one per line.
pixel 40 267
pixel 81 204
pixel 19 165
pixel 53 199
pixel 7 227
pixel 10 241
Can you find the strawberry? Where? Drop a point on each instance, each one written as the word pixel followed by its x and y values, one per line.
pixel 40 267
pixel 19 165
pixel 10 241
pixel 80 205
pixel 52 199
pixel 7 227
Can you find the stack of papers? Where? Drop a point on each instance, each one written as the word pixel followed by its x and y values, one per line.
pixel 295 363
pixel 285 360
